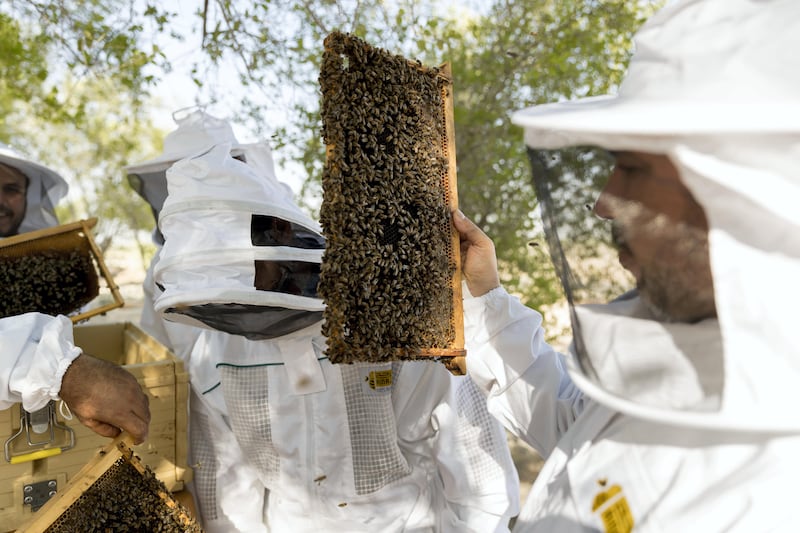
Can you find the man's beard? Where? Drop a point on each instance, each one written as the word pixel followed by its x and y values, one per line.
pixel 677 295
pixel 667 300
pixel 13 230
pixel 681 290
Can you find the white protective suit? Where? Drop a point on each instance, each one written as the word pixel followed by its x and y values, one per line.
pixel 383 447
pixel 36 348
pixel 281 439
pixel 681 427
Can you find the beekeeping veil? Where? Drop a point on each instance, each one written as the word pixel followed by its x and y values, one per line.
pixel 196 133
pixel 239 255
pixel 713 85
pixel 45 189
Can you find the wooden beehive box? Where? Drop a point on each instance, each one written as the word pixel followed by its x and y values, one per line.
pixel 391 271
pixel 166 383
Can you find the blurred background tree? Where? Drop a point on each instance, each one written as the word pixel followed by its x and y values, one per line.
pixel 504 55
pixel 75 84
pixel 80 83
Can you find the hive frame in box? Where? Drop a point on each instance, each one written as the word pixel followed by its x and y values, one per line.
pixel 453 355
pixel 102 462
pixel 31 423
pixel 44 238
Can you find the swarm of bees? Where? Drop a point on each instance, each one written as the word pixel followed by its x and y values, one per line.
pixel 124 499
pixel 48 281
pixel 388 265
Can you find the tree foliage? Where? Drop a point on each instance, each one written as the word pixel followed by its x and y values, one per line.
pixel 504 56
pixel 89 67
pixel 75 80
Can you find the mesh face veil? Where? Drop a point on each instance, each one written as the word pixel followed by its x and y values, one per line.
pixel 567 184
pixel 690 183
pixel 623 228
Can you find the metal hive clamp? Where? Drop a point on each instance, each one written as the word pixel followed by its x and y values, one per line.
pixel 40 430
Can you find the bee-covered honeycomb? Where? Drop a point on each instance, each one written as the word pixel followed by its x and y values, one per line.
pixel 47 281
pixel 388 267
pixel 125 499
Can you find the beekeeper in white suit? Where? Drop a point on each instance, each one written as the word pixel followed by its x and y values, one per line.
pixel 282 439
pixel 39 361
pixel 673 409
pixel 197 132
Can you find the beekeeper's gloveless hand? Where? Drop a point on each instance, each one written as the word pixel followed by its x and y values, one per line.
pixel 478 258
pixel 106 398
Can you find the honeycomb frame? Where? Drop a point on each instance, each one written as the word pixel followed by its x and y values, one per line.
pixel 391 270
pixel 102 487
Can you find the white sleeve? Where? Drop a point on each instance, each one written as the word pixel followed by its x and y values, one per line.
pixel 444 418
pixel 527 383
pixel 481 484
pixel 36 350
